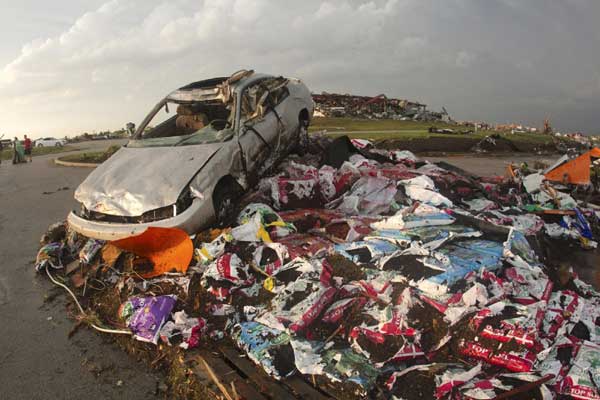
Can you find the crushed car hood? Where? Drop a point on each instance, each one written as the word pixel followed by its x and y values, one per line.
pixel 136 180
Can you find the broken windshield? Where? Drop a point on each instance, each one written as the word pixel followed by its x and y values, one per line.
pixel 179 119
pixel 216 132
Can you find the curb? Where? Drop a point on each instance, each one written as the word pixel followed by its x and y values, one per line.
pixel 58 161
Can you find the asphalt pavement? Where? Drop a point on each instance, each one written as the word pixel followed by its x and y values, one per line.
pixel 37 359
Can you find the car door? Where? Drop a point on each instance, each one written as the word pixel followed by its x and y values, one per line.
pixel 261 128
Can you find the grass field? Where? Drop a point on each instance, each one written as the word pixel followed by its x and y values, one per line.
pixel 7 154
pixel 407 130
pixel 93 157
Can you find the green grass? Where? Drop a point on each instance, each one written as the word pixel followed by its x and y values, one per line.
pixel 407 130
pixel 92 157
pixel 7 153
pixel 352 124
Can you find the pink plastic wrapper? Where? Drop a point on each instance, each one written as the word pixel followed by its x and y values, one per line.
pixel 350 229
pixel 229 267
pixel 371 334
pixel 220 293
pixel 397 325
pixel 560 307
pixel 452 379
pixel 314 311
pixel 510 328
pixel 295 192
pixel 369 290
pixel 510 361
pixel 333 183
pixel 437 305
pixel 189 329
pixel 361 143
pixel 306 246
pixel 274 250
pixel 407 352
pixel 336 311
pixel 581 382
pixel 527 287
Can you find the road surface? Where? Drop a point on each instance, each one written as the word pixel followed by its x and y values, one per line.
pixel 37 359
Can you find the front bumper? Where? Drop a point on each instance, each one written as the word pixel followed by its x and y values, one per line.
pixel 199 215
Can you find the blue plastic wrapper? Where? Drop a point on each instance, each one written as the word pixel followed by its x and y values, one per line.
pixel 582 225
pixel 267 347
pixel 467 256
pixel 367 250
pixel 347 365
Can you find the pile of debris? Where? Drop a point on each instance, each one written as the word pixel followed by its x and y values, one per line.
pixel 378 107
pixel 376 274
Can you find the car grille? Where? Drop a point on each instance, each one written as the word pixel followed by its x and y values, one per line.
pixel 149 216
pixel 185 200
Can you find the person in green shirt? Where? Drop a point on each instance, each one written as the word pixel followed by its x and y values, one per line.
pixel 19 152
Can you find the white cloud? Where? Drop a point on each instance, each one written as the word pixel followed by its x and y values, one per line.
pixel 114 63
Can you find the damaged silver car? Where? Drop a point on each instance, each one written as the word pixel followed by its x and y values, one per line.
pixel 187 168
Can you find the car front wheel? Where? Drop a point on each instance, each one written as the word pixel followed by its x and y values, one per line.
pixel 40 145
pixel 302 137
pixel 225 198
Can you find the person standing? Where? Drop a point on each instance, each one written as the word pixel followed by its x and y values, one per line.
pixel 27 145
pixel 18 152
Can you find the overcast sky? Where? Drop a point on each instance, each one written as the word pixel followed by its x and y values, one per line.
pixel 69 66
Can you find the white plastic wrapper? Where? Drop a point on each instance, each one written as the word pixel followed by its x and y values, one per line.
pixel 307 357
pixel 190 329
pixel 423 215
pixel 454 378
pixel 427 196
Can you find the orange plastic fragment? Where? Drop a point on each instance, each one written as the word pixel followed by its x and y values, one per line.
pixel 576 171
pixel 169 249
pixel 595 152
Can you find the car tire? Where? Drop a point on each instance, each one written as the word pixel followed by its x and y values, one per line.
pixel 57 145
pixel 225 197
pixel 40 145
pixel 302 138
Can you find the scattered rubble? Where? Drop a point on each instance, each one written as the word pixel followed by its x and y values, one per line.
pixel 378 107
pixel 382 277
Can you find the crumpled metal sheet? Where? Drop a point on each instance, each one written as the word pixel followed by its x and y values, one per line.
pixel 137 180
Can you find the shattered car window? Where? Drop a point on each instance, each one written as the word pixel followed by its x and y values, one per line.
pixel 193 123
pixel 265 95
pixel 189 118
pixel 206 135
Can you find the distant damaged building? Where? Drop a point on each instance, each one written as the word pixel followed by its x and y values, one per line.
pixel 377 107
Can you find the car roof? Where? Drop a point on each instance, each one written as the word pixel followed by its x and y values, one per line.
pixel 208 89
pixel 212 82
